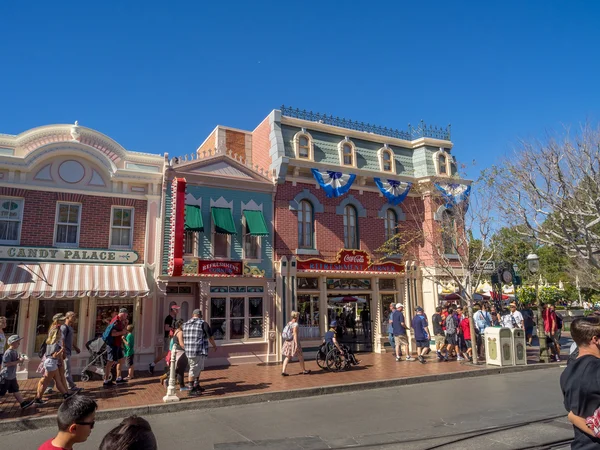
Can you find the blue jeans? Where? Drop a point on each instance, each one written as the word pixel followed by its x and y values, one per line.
pixel 391 338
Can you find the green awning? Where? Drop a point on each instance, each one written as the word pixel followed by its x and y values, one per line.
pixel 223 220
pixel 193 218
pixel 256 223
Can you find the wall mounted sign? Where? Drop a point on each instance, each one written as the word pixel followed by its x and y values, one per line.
pixel 350 261
pixel 220 267
pixel 75 255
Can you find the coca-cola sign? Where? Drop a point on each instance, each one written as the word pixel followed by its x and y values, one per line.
pixel 349 261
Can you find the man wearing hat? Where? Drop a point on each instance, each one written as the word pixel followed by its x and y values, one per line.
pixel 8 373
pixel 114 342
pixel 168 330
pixel 421 331
pixel 196 336
pixel 399 330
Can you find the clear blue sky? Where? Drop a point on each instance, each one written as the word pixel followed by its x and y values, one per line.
pixel 158 76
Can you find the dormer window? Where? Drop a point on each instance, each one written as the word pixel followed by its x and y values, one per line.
pixel 386 160
pixel 303 145
pixel 347 153
pixel 443 162
pixel 442 165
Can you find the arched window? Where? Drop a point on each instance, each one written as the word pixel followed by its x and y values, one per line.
pixel 442 165
pixel 386 161
pixel 448 225
pixel 391 222
pixel 305 225
pixel 347 155
pixel 303 147
pixel 350 227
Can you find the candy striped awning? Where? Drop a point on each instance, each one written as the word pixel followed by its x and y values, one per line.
pixel 46 280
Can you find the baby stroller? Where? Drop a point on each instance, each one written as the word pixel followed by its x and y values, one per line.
pixel 97 360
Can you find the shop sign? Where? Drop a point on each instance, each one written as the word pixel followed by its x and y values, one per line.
pixel 76 255
pixel 349 261
pixel 220 267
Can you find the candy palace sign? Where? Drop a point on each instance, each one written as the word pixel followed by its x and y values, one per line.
pixel 349 261
pixel 49 254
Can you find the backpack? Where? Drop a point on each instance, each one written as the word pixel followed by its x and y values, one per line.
pixel 106 336
pixel 288 332
pixel 42 350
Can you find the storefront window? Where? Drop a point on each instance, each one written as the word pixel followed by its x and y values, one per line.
pixel 308 283
pixel 10 310
pixel 106 309
pixel 308 322
pixel 386 301
pixel 387 284
pixel 236 317
pixel 47 309
pixel 348 283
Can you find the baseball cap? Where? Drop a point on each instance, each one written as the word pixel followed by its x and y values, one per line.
pixel 333 323
pixel 14 338
pixel 196 312
pixel 419 309
pixel 175 307
pixel 58 317
pixel 399 305
pixel 123 310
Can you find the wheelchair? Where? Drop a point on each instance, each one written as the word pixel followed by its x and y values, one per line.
pixel 334 360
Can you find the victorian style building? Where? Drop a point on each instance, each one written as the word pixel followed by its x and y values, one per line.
pixel 78 229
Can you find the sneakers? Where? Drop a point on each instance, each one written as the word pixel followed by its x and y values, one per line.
pixel 151 368
pixel 421 359
pixel 49 391
pixel 398 359
pixel 445 358
pixel 120 380
pixel 76 389
pixel 410 358
pixel 184 388
pixel 460 358
pixel 439 355
pixel 26 404
pixel 557 358
pixel 194 392
pixel 39 401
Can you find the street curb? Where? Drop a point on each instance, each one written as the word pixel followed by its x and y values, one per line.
pixel 16 425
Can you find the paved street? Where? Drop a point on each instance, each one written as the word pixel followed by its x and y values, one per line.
pixel 410 417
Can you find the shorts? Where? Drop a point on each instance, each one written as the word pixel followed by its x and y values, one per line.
pixel 440 340
pixel 129 360
pixel 196 365
pixel 468 343
pixel 424 343
pixel 114 353
pixel 529 331
pixel 401 339
pixel 555 336
pixel 452 339
pixel 10 386
pixel 50 364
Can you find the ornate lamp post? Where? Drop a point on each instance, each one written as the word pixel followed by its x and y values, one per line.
pixel 533 264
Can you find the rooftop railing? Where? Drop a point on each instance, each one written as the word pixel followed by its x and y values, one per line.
pixel 421 131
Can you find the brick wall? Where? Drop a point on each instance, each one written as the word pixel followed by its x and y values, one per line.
pixel 329 225
pixel 40 212
pixel 236 142
pixel 209 143
pixel 261 145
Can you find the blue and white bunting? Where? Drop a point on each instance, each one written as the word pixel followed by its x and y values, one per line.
pixel 335 184
pixel 453 193
pixel 394 191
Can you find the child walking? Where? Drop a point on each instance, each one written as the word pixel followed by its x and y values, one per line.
pixel 128 344
pixel 8 373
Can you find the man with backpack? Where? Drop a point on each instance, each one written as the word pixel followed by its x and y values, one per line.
pixel 196 336
pixel 113 337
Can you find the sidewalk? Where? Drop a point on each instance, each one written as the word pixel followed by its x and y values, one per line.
pixel 248 379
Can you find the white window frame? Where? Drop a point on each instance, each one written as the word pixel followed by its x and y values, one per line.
pixel 341 145
pixel 194 236
pixel 380 153
pixel 304 221
pixel 112 215
pixel 212 242
pixel 245 234
pixel 246 296
pixel 20 220
pixel 303 134
pixel 448 164
pixel 56 225
pixel 347 227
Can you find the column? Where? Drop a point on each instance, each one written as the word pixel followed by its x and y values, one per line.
pixel 376 316
pixel 323 311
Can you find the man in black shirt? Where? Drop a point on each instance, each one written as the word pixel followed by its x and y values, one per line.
pixel 437 321
pixel 580 381
pixel 168 329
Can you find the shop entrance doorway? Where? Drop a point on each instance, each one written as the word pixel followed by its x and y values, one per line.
pixel 353 316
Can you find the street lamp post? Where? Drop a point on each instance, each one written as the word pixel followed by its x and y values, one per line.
pixel 533 264
pixel 171 396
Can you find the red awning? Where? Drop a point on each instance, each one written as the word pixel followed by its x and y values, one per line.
pixel 46 280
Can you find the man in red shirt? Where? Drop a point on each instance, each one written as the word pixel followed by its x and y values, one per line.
pixel 551 330
pixel 114 347
pixel 465 328
pixel 76 418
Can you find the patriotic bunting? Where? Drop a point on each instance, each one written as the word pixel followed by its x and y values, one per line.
pixel 335 184
pixel 394 191
pixel 453 193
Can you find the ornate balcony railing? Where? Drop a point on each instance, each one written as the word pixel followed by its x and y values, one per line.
pixel 420 131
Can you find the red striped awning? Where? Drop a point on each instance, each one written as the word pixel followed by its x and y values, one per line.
pixel 71 280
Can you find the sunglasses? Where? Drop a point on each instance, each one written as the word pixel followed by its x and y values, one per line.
pixel 89 424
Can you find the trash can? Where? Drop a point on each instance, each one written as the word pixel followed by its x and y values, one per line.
pixel 498 346
pixel 519 348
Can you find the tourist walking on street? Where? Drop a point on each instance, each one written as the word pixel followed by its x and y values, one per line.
pixel 365 320
pixel 465 327
pixel 421 332
pixel 551 331
pixel 399 329
pixel 196 336
pixel 67 334
pixel 52 362
pixel 128 352
pixel 113 336
pixel 390 327
pixel 8 373
pixel 452 336
pixel 168 333
pixel 437 323
pixel 133 433
pixel 76 417
pixel 528 323
pixel 516 316
pixel 181 360
pixel 483 320
pixel 495 316
pixel 291 345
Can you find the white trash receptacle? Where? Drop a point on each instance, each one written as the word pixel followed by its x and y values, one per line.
pixel 519 348
pixel 498 346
